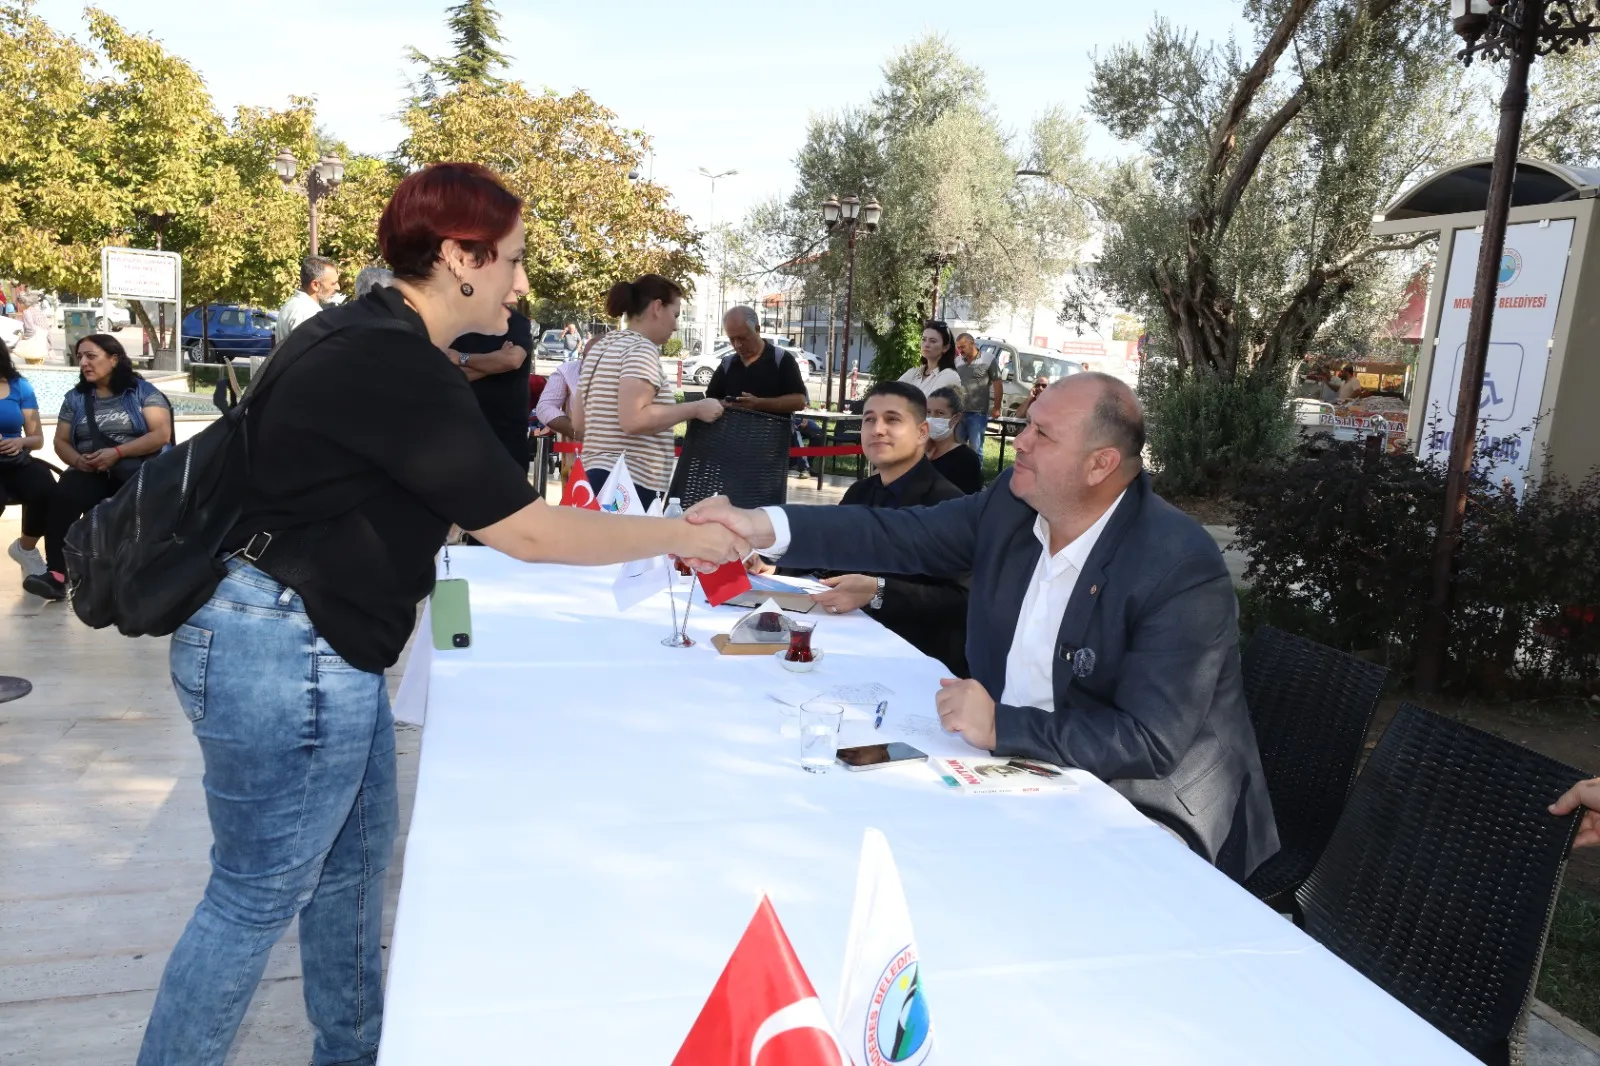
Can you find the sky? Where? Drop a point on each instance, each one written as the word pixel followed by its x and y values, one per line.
pixel 715 84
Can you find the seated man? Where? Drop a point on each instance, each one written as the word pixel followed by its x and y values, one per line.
pixel 1102 630
pixel 930 613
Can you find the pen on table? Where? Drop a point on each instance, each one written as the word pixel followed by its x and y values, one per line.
pixel 883 709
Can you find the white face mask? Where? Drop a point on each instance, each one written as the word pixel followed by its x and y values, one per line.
pixel 938 428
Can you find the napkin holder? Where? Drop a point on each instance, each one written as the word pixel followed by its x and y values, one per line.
pixel 759 632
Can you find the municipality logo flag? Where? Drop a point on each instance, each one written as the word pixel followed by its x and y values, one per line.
pixel 883 1010
pixel 639 580
pixel 618 495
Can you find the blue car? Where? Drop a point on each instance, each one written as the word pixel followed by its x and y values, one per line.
pixel 231 332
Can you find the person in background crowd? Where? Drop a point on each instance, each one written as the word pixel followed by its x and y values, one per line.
pixel 319 280
pixel 373 277
pixel 23 479
pixel 110 423
pixel 34 344
pixel 1102 629
pixel 571 339
pixel 929 612
pixel 980 392
pixel 556 401
pixel 1040 384
pixel 498 368
pixel 1349 385
pixel 959 464
pixel 758 376
pixel 625 403
pixel 938 367
pixel 368 447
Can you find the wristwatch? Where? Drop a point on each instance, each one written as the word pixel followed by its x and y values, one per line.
pixel 462 357
pixel 876 603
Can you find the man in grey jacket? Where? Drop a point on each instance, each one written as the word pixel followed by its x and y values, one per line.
pixel 1102 629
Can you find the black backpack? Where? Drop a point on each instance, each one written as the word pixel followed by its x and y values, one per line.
pixel 147 558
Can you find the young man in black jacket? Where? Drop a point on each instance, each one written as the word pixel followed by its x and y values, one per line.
pixel 929 612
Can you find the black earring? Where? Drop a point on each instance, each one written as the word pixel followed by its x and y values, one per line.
pixel 466 290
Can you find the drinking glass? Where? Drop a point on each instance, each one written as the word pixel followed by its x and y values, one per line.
pixel 799 641
pixel 819 734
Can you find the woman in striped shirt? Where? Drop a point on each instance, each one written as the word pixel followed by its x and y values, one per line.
pixel 625 402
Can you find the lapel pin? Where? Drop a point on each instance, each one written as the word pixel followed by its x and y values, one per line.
pixel 1094 590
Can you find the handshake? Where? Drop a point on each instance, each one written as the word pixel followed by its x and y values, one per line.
pixel 719 533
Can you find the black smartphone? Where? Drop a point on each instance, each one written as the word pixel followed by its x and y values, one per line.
pixel 871 756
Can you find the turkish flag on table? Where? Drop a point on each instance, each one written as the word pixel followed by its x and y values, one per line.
pixel 763 1011
pixel 725 582
pixel 577 492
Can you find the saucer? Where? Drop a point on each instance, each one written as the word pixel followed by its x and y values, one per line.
pixel 799 668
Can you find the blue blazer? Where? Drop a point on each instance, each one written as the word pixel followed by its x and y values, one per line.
pixel 1157 710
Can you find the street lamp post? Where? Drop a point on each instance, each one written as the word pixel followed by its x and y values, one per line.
pixel 1518 30
pixel 321 180
pixel 713 324
pixel 853 215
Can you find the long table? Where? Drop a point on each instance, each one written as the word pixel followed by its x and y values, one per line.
pixel 596 816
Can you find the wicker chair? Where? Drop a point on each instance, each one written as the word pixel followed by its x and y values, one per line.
pixel 1311 707
pixel 1441 877
pixel 744 455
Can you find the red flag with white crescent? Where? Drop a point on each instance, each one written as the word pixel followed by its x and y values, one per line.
pixel 763 1010
pixel 577 491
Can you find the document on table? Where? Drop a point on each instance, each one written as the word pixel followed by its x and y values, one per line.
pixel 917 725
pixel 773 583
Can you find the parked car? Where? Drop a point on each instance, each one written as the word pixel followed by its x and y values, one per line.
pixel 699 368
pixel 1020 366
pixel 550 345
pixel 230 331
pixel 109 317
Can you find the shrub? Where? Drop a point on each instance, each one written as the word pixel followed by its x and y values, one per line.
pixel 673 349
pixel 1340 543
pixel 1209 436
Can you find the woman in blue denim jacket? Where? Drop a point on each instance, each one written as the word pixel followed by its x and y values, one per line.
pixel 132 421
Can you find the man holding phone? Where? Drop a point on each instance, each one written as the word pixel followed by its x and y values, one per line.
pixel 757 377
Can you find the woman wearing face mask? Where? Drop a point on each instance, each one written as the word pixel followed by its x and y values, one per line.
pixel 109 424
pixel 938 367
pixel 960 465
pixel 346 505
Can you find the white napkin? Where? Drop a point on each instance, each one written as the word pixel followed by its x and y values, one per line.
pixel 747 629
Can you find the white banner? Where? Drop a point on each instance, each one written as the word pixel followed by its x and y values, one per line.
pixel 1532 270
pixel 139 274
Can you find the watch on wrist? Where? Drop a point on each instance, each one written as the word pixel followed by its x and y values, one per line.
pixel 876 603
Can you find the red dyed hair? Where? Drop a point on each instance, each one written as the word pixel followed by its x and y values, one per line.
pixel 463 202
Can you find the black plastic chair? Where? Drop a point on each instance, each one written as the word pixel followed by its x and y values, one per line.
pixel 1441 877
pixel 1311 707
pixel 744 455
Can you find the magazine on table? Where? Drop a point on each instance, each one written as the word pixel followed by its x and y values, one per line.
pixel 986 775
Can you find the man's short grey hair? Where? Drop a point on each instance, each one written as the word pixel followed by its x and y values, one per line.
pixel 748 314
pixel 1118 420
pixel 312 268
pixel 373 278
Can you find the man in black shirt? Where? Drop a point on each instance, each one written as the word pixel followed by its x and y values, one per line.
pixel 757 377
pixel 929 612
pixel 498 368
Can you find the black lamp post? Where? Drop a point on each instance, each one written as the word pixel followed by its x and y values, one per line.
pixel 321 180
pixel 1518 30
pixel 853 215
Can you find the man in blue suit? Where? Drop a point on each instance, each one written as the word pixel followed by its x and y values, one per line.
pixel 1102 629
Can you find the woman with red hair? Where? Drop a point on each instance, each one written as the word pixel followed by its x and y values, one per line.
pixel 367 446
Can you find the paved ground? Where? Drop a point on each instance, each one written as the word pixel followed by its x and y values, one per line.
pixel 103 841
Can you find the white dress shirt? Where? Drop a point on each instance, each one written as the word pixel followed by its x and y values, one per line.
pixel 1030 664
pixel 300 307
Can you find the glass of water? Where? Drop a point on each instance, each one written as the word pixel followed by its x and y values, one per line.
pixel 819 734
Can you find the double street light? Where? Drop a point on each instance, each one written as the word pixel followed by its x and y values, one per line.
pixel 320 180
pixel 1517 30
pixel 854 216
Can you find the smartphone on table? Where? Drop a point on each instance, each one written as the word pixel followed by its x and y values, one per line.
pixel 872 756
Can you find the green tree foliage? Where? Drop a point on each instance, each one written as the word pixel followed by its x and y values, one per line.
pixel 588 224
pixel 477 60
pixel 117 143
pixel 929 147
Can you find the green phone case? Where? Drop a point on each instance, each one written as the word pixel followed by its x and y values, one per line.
pixel 452 614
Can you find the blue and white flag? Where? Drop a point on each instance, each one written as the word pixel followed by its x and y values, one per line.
pixel 883 1009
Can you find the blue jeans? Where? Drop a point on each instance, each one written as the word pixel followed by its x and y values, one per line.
pixel 974 424
pixel 300 789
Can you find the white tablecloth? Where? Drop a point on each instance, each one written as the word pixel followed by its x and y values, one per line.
pixel 596 816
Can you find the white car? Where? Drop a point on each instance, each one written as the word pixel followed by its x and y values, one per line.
pixel 699 368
